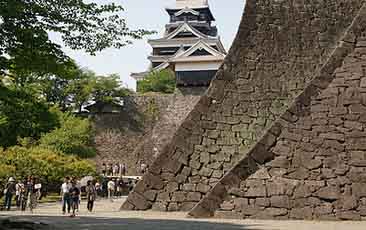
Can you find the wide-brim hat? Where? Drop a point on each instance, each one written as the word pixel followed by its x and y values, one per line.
pixel 11 179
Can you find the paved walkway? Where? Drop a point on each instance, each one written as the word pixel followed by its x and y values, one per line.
pixel 107 217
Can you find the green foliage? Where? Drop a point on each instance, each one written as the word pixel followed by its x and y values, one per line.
pixel 89 87
pixel 161 81
pixel 74 136
pixel 24 42
pixel 108 89
pixel 48 165
pixel 23 115
pixel 80 89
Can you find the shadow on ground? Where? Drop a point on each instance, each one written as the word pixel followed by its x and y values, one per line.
pixel 98 223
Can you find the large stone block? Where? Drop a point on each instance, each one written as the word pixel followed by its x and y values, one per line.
pixel 256 191
pixel 172 187
pixel 160 206
pixel 280 202
pixel 163 197
pixel 228 215
pixel 153 181
pixel 349 215
pixel 194 196
pixel 262 202
pixel 150 195
pixel 305 213
pixel 359 190
pixel 276 188
pixel 139 201
pixel 329 193
pixel 323 210
pixel 179 196
pixel 203 188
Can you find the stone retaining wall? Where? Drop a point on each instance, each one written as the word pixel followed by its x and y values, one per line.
pixel 142 129
pixel 280 48
pixel 118 134
pixel 310 163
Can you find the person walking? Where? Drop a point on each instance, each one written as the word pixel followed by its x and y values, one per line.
pixel 91 195
pixel 31 194
pixel 111 188
pixel 143 168
pixel 18 187
pixel 37 186
pixel 74 195
pixel 65 196
pixel 104 169
pixel 9 192
pixel 23 196
pixel 122 169
pixel 115 170
pixel 110 169
pixel 105 187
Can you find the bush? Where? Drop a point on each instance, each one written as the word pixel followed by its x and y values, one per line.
pixel 74 136
pixel 158 81
pixel 51 167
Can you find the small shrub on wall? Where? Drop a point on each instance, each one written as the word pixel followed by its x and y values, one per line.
pixel 158 81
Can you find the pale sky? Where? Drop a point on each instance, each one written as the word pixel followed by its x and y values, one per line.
pixel 151 15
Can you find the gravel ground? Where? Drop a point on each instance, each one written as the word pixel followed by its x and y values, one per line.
pixel 107 217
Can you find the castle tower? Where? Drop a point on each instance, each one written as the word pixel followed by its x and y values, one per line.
pixel 190 46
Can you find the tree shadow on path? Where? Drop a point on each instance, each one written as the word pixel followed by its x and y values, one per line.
pixel 99 223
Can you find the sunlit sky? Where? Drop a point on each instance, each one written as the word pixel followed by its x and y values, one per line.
pixel 151 15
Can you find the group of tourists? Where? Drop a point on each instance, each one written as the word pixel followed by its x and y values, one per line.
pixel 117 169
pixel 113 187
pixel 27 193
pixel 120 169
pixel 71 196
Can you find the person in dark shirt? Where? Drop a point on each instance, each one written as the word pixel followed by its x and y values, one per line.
pixel 104 169
pixel 91 195
pixel 23 196
pixel 31 194
pixel 74 194
pixel 9 192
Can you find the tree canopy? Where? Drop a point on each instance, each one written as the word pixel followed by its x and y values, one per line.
pixel 40 84
pixel 25 25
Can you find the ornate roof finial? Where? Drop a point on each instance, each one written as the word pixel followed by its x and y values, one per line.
pixel 191 3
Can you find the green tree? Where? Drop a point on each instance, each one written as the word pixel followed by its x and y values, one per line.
pixel 23 115
pixel 74 136
pixel 25 46
pixel 158 81
pixel 109 89
pixel 80 90
pixel 89 87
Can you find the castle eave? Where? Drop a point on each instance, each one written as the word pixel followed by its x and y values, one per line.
pixel 199 59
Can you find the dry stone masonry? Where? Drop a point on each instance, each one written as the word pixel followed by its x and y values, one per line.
pixel 146 123
pixel 280 133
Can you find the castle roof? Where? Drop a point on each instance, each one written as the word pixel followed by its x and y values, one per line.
pixel 181 4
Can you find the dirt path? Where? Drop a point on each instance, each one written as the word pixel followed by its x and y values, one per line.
pixel 107 217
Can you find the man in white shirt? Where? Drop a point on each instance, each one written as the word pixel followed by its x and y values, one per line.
pixel 19 187
pixel 111 188
pixel 116 170
pixel 65 195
